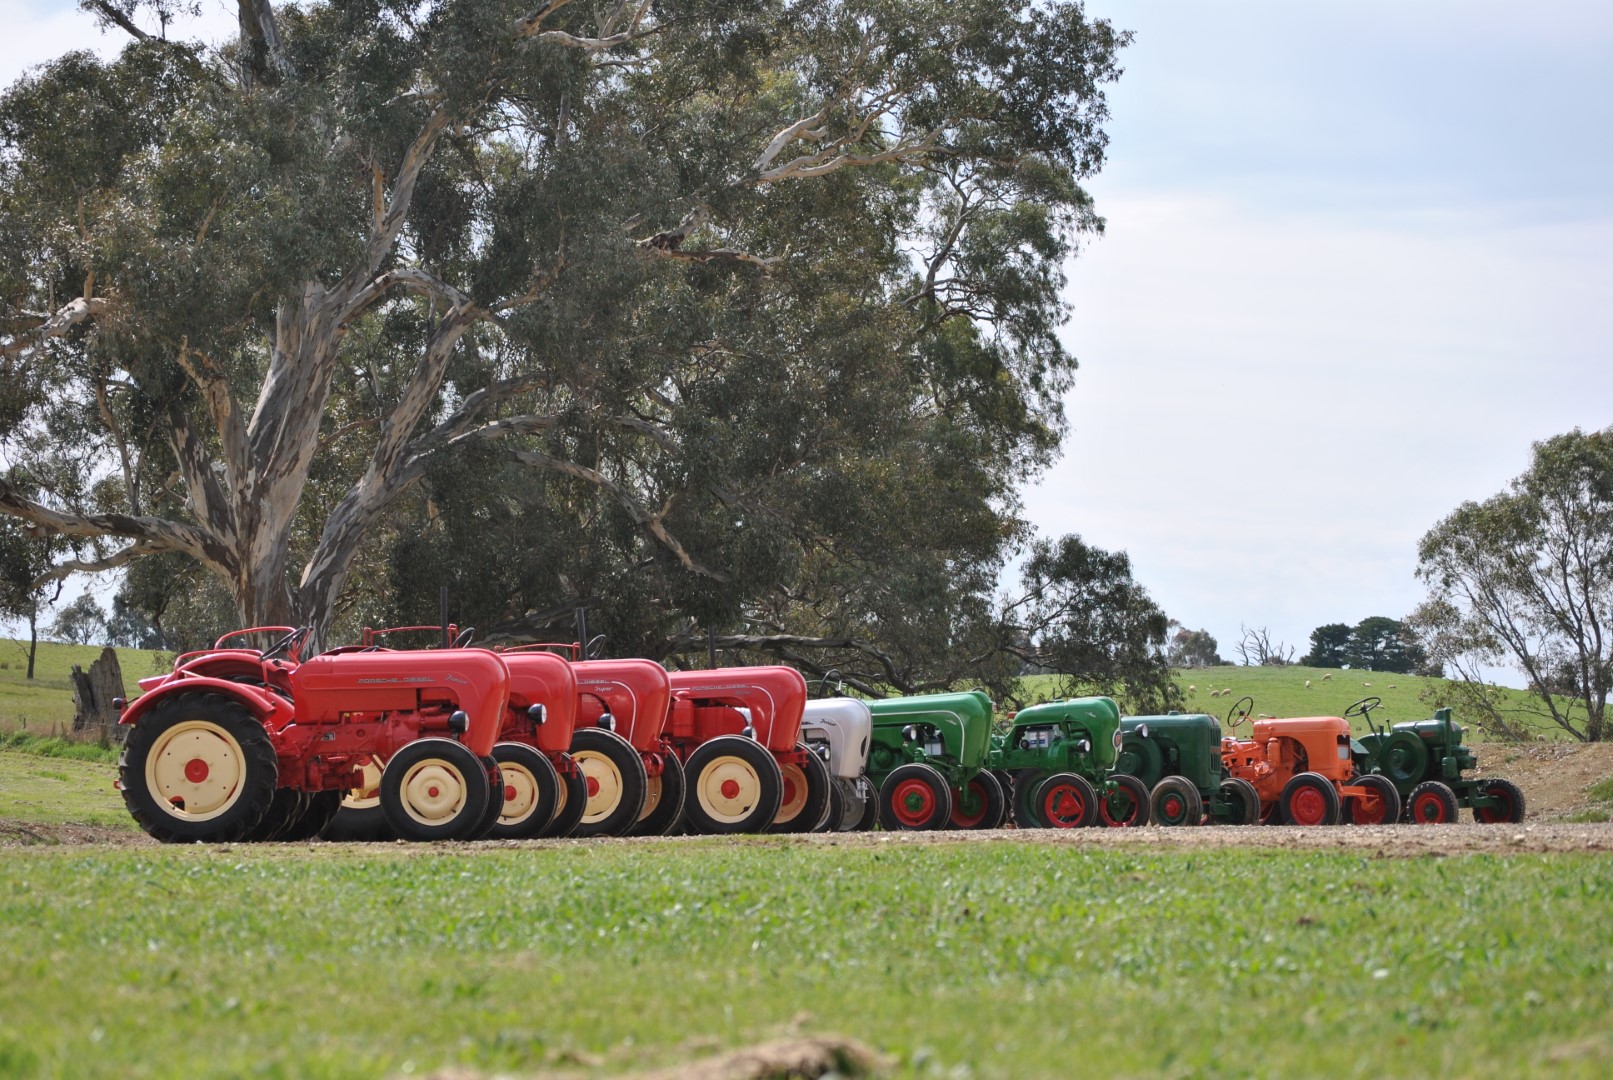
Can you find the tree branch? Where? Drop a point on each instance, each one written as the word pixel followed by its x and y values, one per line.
pixel 111 14
pixel 95 566
pixel 169 535
pixel 56 325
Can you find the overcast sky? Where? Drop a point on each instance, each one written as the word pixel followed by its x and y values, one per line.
pixel 1357 260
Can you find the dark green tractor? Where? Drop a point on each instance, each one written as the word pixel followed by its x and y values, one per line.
pixel 1425 760
pixel 927 759
pixel 1060 757
pixel 1178 757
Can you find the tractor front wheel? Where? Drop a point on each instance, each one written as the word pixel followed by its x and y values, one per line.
pixel 495 800
pixel 1125 804
pixel 1309 799
pixel 1381 808
pixel 530 793
pixel 663 799
pixel 1067 801
pixel 862 805
pixel 1027 782
pixel 616 780
pixel 805 800
pixel 735 784
pixel 359 817
pixel 1175 801
pixel 1509 803
pixel 570 802
pixel 435 789
pixel 1240 795
pixel 198 768
pixel 979 804
pixel 1431 803
pixel 915 797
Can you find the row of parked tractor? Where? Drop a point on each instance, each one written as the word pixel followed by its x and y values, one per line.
pixel 371 741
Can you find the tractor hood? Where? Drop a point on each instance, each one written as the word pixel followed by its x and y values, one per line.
pixel 1098 718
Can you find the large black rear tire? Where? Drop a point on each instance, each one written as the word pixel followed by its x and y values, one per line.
pixel 198 768
pixel 322 807
pixel 915 797
pixel 663 799
pixel 573 799
pixel 805 800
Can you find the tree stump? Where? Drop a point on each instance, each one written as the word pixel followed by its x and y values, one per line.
pixel 93 692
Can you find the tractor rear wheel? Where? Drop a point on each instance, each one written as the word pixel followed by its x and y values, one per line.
pixel 1174 801
pixel 322 807
pixel 435 789
pixel 1026 783
pixel 285 810
pixel 1510 798
pixel 837 808
pixel 914 797
pixel 616 781
pixel 571 801
pixel 1309 799
pixel 1241 796
pixel 1125 804
pixel 1067 801
pixel 1141 758
pixel 979 804
pixel 1431 803
pixel 359 819
pixel 806 794
pixel 530 793
pixel 735 786
pixel 495 800
pixel 664 798
pixel 1382 808
pixel 862 805
pixel 198 768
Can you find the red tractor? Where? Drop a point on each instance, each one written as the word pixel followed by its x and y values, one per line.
pixel 545 792
pixel 737 732
pixel 239 743
pixel 634 783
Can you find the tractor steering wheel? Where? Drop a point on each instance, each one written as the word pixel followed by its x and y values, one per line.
pixel 1243 715
pixel 464 637
pixel 284 643
pixel 1364 706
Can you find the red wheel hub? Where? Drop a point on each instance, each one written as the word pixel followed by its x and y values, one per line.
pixel 1369 810
pixel 974 795
pixel 1126 814
pixel 730 789
pixel 913 803
pixel 789 791
pixel 1063 807
pixel 1173 807
pixel 196 770
pixel 509 792
pixel 1307 806
pixel 434 791
pixel 1429 808
pixel 593 787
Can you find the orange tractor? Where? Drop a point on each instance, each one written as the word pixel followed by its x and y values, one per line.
pixel 1303 769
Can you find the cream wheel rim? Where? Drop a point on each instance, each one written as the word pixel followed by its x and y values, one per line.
pixel 605 785
pixel 195 770
pixel 519 793
pixel 433 792
pixel 652 796
pixel 368 793
pixel 795 793
pixel 729 789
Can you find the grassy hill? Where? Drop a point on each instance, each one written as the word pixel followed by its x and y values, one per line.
pixel 47 700
pixel 1281 691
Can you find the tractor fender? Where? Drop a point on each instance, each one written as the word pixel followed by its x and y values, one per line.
pixel 266 706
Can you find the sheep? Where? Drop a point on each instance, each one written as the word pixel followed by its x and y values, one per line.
pixel 1228 690
pixel 1328 677
pixel 1367 685
pixel 1215 693
pixel 1307 684
pixel 1191 689
pixel 1394 686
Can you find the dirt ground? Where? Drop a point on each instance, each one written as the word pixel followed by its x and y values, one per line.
pixel 1554 778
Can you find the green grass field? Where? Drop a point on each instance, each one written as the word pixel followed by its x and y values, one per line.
pixel 994 959
pixel 46 702
pixel 57 790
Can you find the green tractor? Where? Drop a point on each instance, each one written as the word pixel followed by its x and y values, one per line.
pixel 1060 756
pixel 1425 760
pixel 1178 757
pixel 927 760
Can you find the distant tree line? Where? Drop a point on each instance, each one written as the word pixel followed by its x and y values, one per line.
pixel 1376 643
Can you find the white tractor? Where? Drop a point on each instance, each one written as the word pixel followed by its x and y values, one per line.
pixel 837 730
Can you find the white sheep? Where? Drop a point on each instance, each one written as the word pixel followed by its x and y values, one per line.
pixel 1394 686
pixel 1191 689
pixel 1307 684
pixel 1328 677
pixel 1228 690
pixel 1367 685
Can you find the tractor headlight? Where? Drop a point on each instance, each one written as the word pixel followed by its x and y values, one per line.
pixel 1116 740
pixel 1084 746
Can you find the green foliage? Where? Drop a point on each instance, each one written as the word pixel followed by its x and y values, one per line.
pixel 80 622
pixel 140 953
pixel 1525 579
pixel 1192 648
pixel 1329 646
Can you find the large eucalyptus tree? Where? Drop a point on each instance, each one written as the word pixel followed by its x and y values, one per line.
pixel 270 286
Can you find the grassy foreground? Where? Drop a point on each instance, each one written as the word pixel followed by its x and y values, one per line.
pixel 986 959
